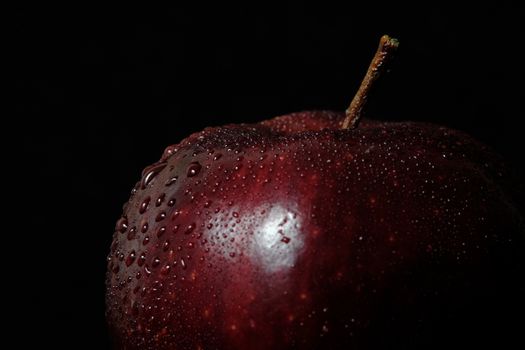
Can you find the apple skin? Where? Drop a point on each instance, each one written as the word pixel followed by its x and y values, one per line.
pixel 294 234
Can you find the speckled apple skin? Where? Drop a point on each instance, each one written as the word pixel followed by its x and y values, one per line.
pixel 294 234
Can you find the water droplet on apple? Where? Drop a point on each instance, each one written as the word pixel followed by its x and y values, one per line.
pixel 150 172
pixel 131 258
pixel 194 169
pixel 168 152
pixel 155 262
pixel 145 240
pixel 171 180
pixel 161 216
pixel 161 231
pixel 190 228
pixel 165 269
pixel 131 233
pixel 171 202
pixel 160 199
pixel 142 259
pixel 144 205
pixel 122 225
pixel 144 227
pixel 134 308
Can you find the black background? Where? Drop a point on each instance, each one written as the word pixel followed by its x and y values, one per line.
pixel 100 92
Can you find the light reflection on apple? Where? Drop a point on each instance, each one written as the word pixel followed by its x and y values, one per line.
pixel 278 242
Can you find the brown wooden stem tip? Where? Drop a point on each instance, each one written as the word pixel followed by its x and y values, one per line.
pixel 387 46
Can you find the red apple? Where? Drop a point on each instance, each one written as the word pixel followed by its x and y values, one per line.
pixel 303 232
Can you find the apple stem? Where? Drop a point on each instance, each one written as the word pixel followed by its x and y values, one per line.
pixel 387 46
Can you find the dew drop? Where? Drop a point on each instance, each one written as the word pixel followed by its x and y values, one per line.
pixel 134 309
pixel 122 225
pixel 155 262
pixel 131 258
pixel 150 172
pixel 217 156
pixel 160 199
pixel 144 227
pixel 165 269
pixel 145 240
pixel 183 264
pixel 144 205
pixel 171 180
pixel 142 259
pixel 194 169
pixel 161 231
pixel 190 228
pixel 171 202
pixel 285 239
pixel 169 151
pixel 161 216
pixel 131 233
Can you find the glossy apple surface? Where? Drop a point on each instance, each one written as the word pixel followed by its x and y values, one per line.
pixel 294 234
